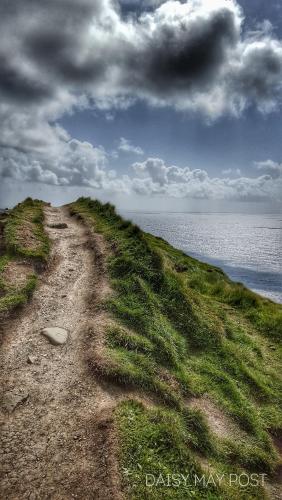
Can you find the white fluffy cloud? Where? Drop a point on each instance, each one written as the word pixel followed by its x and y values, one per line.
pixel 32 150
pixel 155 177
pixel 231 171
pixel 127 147
pixel 270 167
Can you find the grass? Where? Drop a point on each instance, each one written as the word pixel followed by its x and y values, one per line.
pixel 158 458
pixel 24 233
pixel 14 297
pixel 24 240
pixel 182 328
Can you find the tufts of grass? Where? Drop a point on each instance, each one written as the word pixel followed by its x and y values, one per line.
pixel 160 455
pixel 155 442
pixel 23 238
pixel 182 328
pixel 262 313
pixel 13 297
pixel 24 232
pixel 120 337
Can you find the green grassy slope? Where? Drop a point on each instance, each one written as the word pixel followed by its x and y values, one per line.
pixel 182 330
pixel 23 240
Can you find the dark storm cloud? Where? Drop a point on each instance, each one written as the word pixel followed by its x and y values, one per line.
pixel 184 54
pixel 59 8
pixel 41 45
pixel 19 87
pixel 57 52
pixel 188 57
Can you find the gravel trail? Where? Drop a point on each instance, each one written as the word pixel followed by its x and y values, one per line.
pixel 53 413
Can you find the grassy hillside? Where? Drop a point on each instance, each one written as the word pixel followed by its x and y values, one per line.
pixel 205 350
pixel 24 246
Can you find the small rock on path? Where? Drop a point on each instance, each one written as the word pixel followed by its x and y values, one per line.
pixel 58 225
pixel 56 335
pixel 32 359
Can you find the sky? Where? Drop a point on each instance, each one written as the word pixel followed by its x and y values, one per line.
pixel 153 105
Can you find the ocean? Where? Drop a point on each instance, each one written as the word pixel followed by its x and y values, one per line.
pixel 247 247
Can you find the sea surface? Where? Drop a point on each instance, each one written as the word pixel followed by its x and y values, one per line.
pixel 247 247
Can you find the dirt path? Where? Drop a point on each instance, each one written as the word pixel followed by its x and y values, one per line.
pixel 53 443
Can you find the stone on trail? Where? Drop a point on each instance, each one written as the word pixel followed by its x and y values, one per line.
pixel 56 335
pixel 31 359
pixel 59 225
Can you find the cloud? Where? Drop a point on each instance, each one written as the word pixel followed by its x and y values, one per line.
pixel 126 147
pixel 155 177
pixel 231 171
pixel 154 168
pixel 270 167
pixel 190 55
pixel 62 55
pixel 47 154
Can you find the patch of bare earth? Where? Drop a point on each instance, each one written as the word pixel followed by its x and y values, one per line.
pixel 220 424
pixel 56 425
pixel 25 237
pixel 16 273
